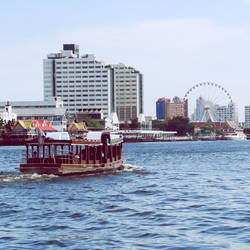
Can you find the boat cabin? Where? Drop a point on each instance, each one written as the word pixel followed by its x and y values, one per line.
pixel 97 150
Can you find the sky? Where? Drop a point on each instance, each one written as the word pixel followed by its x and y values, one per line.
pixel 174 43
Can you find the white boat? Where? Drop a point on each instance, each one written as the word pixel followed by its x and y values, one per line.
pixel 236 136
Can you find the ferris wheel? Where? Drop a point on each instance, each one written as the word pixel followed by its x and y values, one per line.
pixel 207 101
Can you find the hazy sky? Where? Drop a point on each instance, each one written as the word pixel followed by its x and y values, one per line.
pixel 174 43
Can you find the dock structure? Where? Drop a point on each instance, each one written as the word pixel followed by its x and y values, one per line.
pixel 147 135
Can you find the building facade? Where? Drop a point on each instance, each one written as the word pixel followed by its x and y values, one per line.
pixel 81 81
pixel 128 92
pixel 161 108
pixel 51 110
pixel 167 109
pixel 206 110
pixel 247 117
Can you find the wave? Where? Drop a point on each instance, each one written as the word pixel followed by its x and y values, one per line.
pixel 9 177
pixel 131 168
pixel 26 177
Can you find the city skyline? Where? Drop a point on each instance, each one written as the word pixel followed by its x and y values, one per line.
pixel 175 45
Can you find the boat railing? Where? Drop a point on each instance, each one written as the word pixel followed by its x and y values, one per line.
pixel 59 159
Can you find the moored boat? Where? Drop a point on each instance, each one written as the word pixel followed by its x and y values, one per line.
pixel 98 152
pixel 236 136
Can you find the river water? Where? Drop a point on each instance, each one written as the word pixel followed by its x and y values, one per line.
pixel 175 195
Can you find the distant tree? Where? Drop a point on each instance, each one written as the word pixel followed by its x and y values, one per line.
pixel 124 126
pixel 219 132
pixel 92 123
pixel 134 124
pixel 159 125
pixel 246 130
pixel 2 123
pixel 181 125
pixel 8 125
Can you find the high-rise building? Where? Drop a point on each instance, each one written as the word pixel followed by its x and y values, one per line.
pixel 247 116
pixel 161 107
pixel 165 109
pixel 81 81
pixel 206 110
pixel 128 92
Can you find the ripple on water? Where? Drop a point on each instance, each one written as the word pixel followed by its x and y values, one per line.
pixel 26 178
pixel 49 243
pixel 169 196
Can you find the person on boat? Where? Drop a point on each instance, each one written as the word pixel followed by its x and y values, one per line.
pixel 35 154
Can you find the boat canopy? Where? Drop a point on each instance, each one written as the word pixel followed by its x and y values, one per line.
pixel 58 135
pixel 97 136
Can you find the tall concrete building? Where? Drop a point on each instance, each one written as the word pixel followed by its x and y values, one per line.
pixel 128 92
pixel 165 109
pixel 81 81
pixel 247 116
pixel 161 108
pixel 206 110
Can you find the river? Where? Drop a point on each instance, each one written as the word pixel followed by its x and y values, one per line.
pixel 171 195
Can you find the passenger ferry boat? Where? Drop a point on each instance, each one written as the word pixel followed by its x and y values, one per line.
pixel 98 152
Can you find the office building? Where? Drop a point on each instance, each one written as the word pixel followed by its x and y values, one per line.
pixel 167 109
pixel 81 81
pixel 247 117
pixel 128 92
pixel 208 111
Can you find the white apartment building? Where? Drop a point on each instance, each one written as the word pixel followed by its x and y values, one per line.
pixel 81 81
pixel 247 116
pixel 227 113
pixel 207 110
pixel 128 92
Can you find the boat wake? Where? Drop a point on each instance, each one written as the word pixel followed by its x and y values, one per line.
pixel 9 177
pixel 131 168
pixel 26 177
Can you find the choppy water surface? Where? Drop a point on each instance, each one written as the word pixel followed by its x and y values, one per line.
pixel 178 195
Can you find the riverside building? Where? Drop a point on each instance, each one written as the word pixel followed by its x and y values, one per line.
pixel 128 92
pixel 81 81
pixel 51 110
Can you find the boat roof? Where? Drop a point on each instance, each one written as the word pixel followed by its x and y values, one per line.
pixel 92 138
